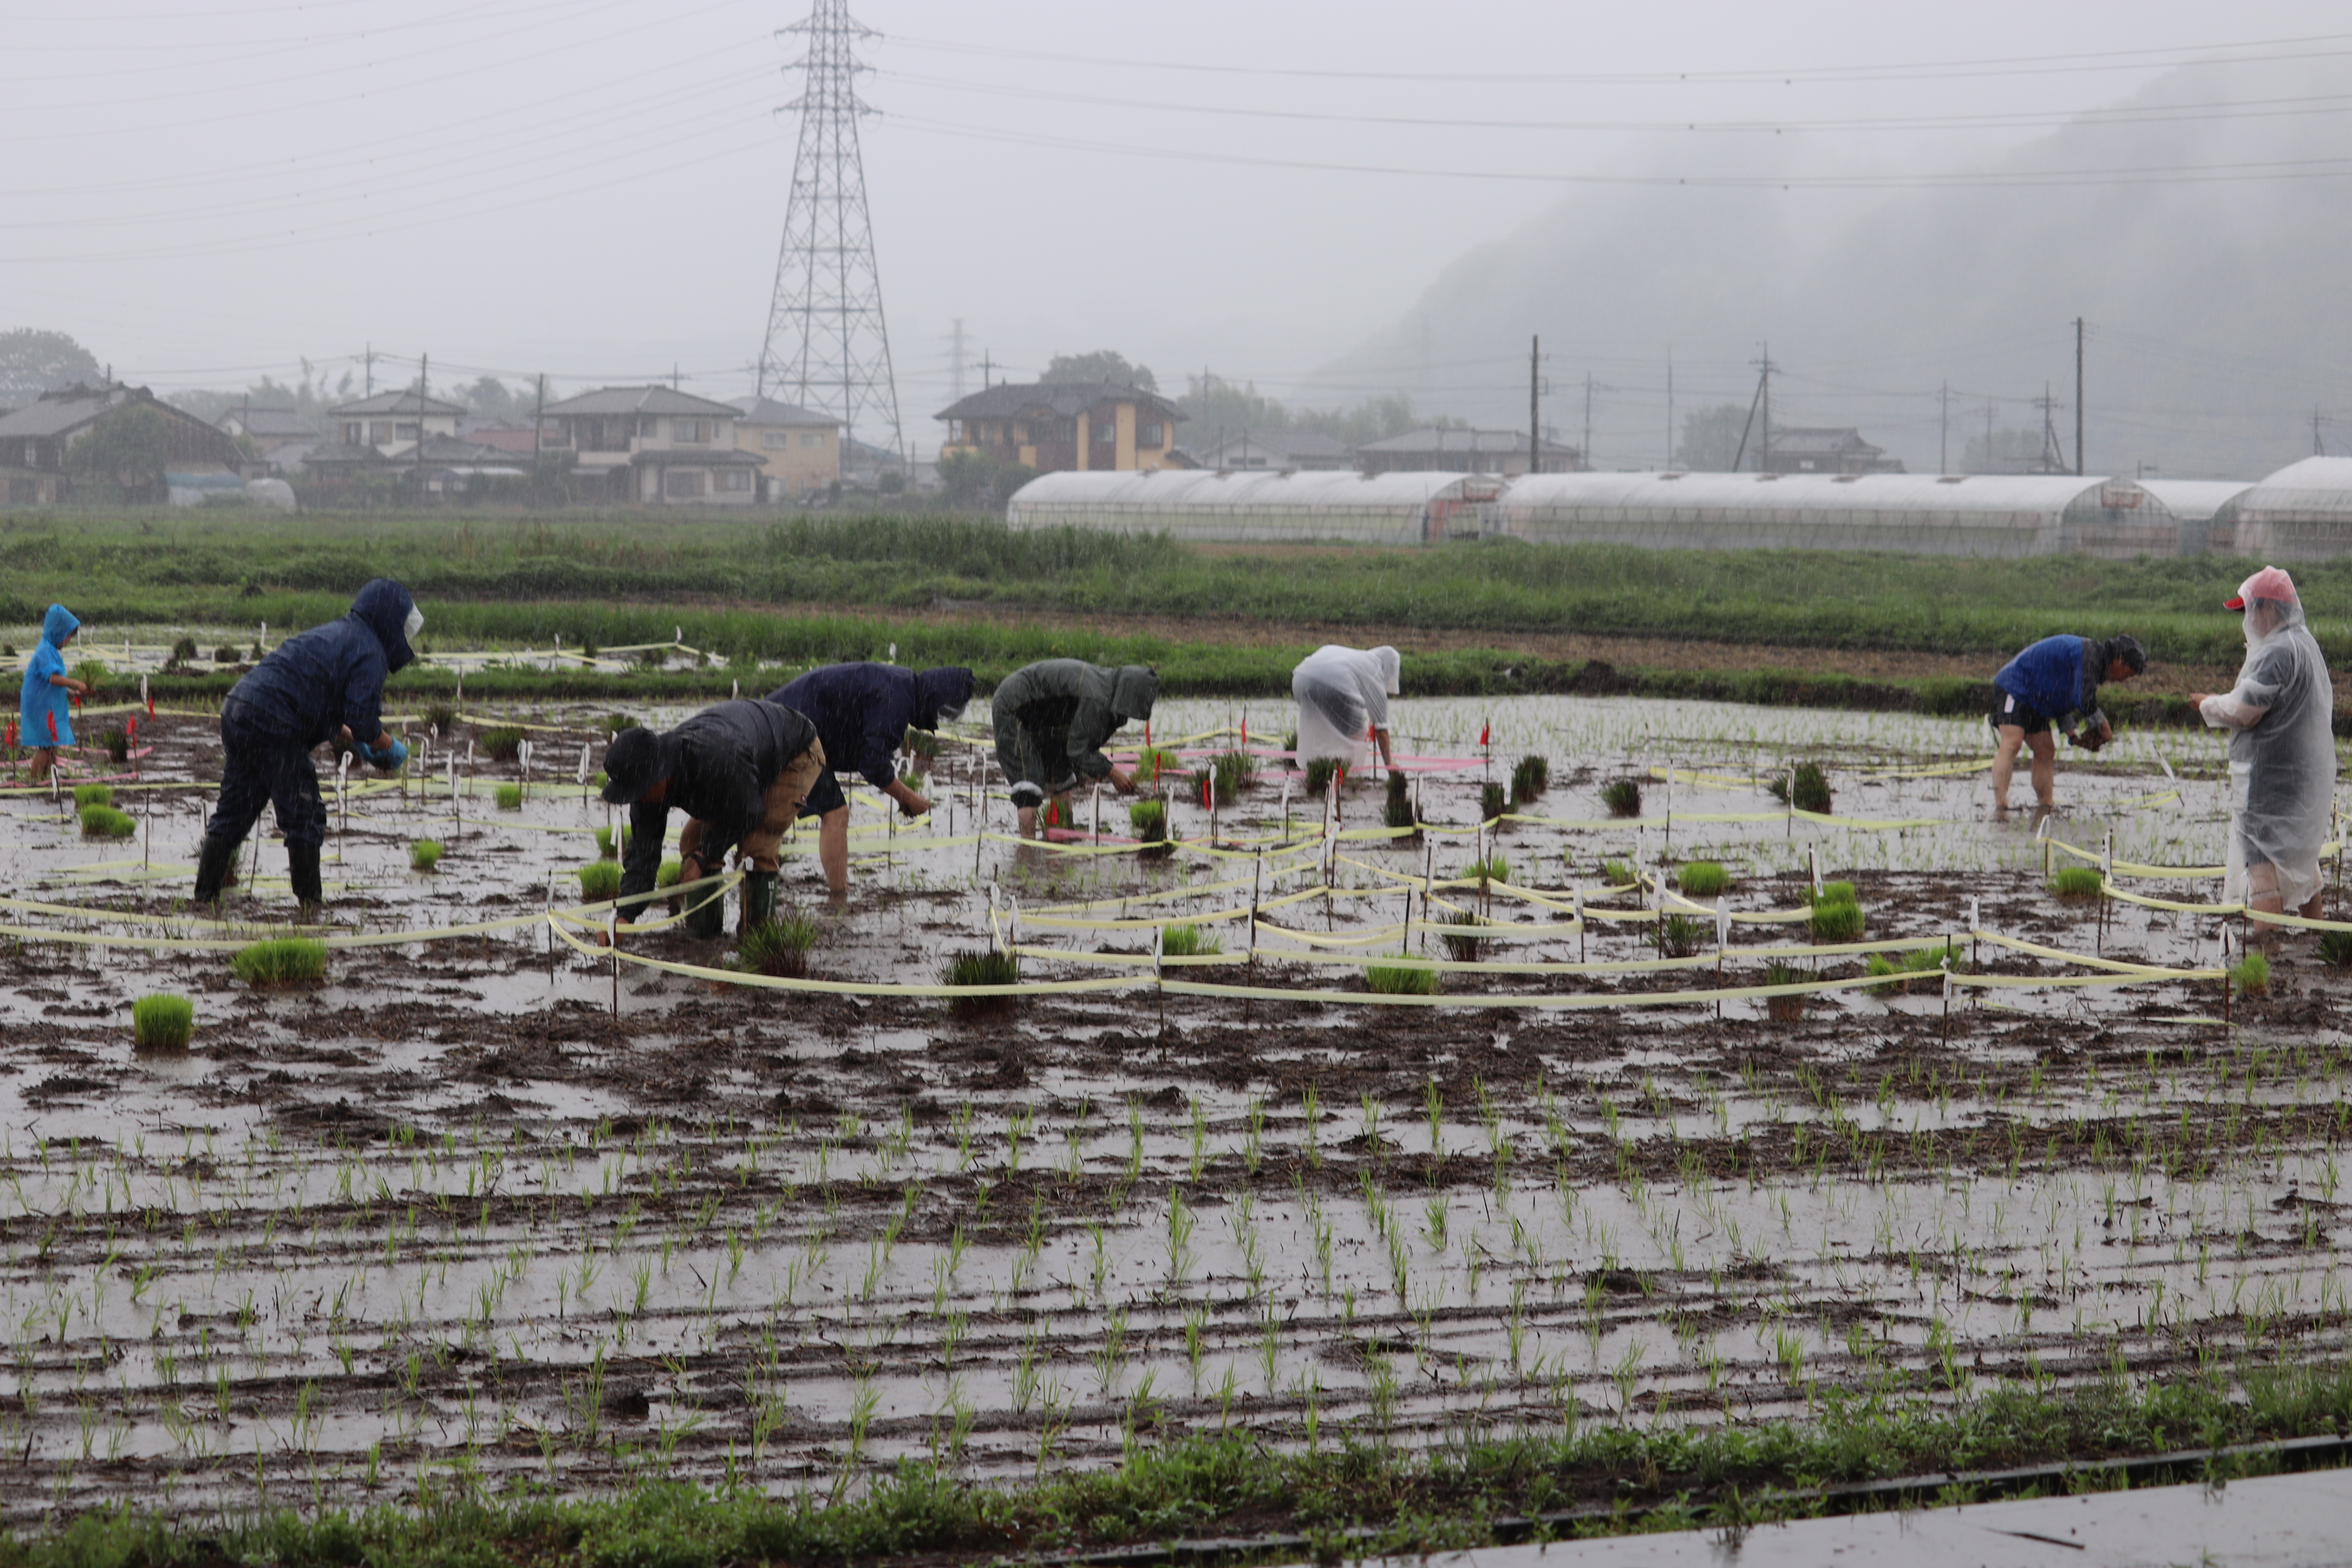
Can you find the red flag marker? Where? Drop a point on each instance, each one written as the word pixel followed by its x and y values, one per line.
pixel 52 718
pixel 1482 731
pixel 1205 802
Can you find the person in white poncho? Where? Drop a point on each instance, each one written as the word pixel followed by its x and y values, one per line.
pixel 2281 753
pixel 1343 703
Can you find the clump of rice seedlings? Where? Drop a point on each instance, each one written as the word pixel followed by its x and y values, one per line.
pixel 2077 882
pixel 1530 778
pixel 1399 979
pixel 2336 948
pixel 606 849
pixel 671 869
pixel 1226 776
pixel 1784 1009
pixel 1319 772
pixel 1461 944
pixel 1397 810
pixel 502 743
pixel 1680 936
pixel 93 794
pixel 1493 868
pixel 162 1023
pixel 105 822
pixel 1806 787
pixel 614 723
pixel 424 853
pixel 225 654
pixel 1186 940
pixel 280 960
pixel 599 880
pixel 978 966
pixel 1149 818
pixel 1491 802
pixel 923 744
pixel 1623 798
pixel 440 718
pixel 1836 922
pixel 1154 761
pixel 91 673
pixel 1703 879
pixel 2251 974
pixel 117 743
pixel 1617 874
pixel 185 651
pixel 1904 968
pixel 778 947
pixel 1833 893
pixel 509 796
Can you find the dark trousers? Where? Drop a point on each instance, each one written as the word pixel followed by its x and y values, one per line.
pixel 260 766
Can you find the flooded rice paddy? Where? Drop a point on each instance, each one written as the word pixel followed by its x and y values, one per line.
pixel 483 1209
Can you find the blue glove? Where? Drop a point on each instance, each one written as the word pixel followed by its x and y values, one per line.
pixel 390 759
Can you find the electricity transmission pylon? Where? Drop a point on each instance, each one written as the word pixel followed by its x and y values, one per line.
pixel 827 348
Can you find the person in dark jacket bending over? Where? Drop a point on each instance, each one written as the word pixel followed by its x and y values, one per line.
pixel 1052 718
pixel 326 684
pixel 862 713
pixel 740 771
pixel 2055 681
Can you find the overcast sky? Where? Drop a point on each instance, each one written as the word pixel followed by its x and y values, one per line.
pixel 202 193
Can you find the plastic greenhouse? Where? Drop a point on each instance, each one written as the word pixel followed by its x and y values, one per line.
pixel 1206 505
pixel 2208 511
pixel 2303 512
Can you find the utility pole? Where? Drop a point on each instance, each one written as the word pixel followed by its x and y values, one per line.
pixel 369 385
pixel 985 365
pixel 2053 456
pixel 1987 468
pixel 1764 462
pixel 2318 449
pixel 2078 397
pixel 424 379
pixel 1588 419
pixel 1762 397
pixel 538 424
pixel 1670 406
pixel 1943 429
pixel 955 363
pixel 1535 428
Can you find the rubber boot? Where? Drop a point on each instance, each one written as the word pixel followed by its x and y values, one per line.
pixel 758 900
pixel 302 867
pixel 706 918
pixel 214 865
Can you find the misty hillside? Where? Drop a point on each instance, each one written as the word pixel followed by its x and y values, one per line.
pixel 2219 309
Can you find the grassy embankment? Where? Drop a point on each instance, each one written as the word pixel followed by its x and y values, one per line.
pixel 948 591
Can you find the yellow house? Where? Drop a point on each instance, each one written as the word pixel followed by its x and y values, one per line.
pixel 799 449
pixel 1059 426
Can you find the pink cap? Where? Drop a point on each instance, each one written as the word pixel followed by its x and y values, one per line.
pixel 2270 583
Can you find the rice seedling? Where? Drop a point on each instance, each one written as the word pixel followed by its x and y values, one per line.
pixel 1186 940
pixel 1833 893
pixel 1834 921
pixel 105 822
pixel 1319 772
pixel 1151 762
pixel 1399 979
pixel 1617 874
pixel 1784 1009
pixel 184 651
pixel 1901 970
pixel 1703 879
pixel 667 876
pixel 440 717
pixel 93 794
pixel 91 673
pixel 1806 787
pixel 1530 778
pixel 606 849
pixel 501 743
pixel 1493 868
pixel 614 723
pixel 1397 810
pixel 977 966
pixel 2076 883
pixel 162 1023
pixel 779 947
pixel 599 880
pixel 1461 944
pixel 1491 802
pixel 2251 974
pixel 1623 798
pixel 424 853
pixel 1680 936
pixel 117 742
pixel 2336 948
pixel 1227 774
pixel 280 960
pixel 509 796
pixel 225 654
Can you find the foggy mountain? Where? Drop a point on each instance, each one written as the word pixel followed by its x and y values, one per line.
pixel 2218 312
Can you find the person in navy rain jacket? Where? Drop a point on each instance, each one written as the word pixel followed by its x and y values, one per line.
pixel 2055 682
pixel 862 713
pixel 327 684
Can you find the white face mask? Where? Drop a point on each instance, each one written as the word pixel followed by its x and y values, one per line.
pixel 413 624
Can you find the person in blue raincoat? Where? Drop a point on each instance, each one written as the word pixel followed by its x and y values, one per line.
pixel 2055 683
pixel 326 684
pixel 45 710
pixel 862 713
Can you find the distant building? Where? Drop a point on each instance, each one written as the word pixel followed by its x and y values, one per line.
pixel 392 422
pixel 654 445
pixel 1292 451
pixel 517 440
pixel 35 441
pixel 280 435
pixel 1824 449
pixel 799 449
pixel 1058 426
pixel 1430 450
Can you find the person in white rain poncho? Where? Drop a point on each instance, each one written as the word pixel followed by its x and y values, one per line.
pixel 2282 752
pixel 1343 703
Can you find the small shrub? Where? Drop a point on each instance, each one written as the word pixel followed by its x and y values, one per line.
pixel 1461 944
pixel 1397 812
pixel 1188 941
pixel 440 717
pixel 1399 979
pixel 599 880
pixel 1680 936
pixel 1617 874
pixel 1491 804
pixel 1703 878
pixel 779 947
pixel 1623 798
pixel 606 849
pixel 1836 922
pixel 501 744
pixel 2251 974
pixel 281 961
pixel 163 1022
pixel 979 966
pixel 2077 882
pixel 93 794
pixel 105 822
pixel 2335 947
pixel 224 653
pixel 1807 789
pixel 1530 778
pixel 509 796
pixel 424 853
pixel 1784 1009
pixel 117 742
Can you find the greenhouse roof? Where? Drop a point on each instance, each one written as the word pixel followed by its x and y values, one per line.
pixel 2196 500
pixel 2316 485
pixel 1989 493
pixel 1208 488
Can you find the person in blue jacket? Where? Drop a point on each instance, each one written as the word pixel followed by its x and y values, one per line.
pixel 326 684
pixel 2055 683
pixel 45 710
pixel 862 713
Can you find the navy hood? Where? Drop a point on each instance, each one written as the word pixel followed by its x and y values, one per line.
pixel 942 690
pixel 59 624
pixel 382 607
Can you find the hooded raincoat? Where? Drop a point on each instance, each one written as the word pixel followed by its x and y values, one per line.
pixel 1343 695
pixel 1053 717
pixel 2282 748
pixel 862 713
pixel 42 704
pixel 719 764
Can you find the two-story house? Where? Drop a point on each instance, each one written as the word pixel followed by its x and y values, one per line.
pixel 653 445
pixel 1054 426
pixel 392 422
pixel 35 442
pixel 799 448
